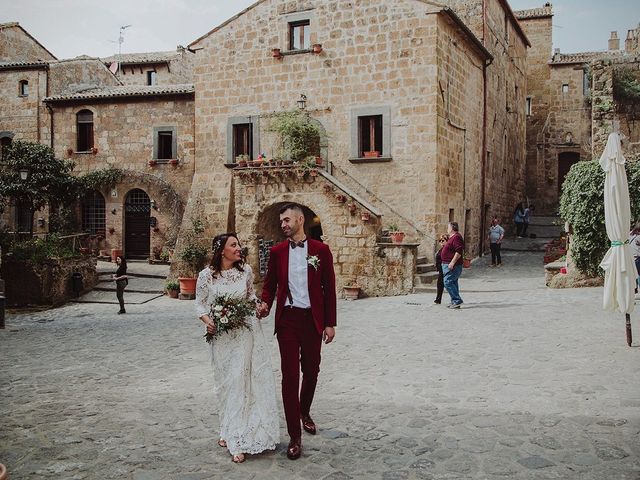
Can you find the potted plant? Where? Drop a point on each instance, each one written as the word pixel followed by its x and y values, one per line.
pixel 174 161
pixel 69 151
pixel 396 235
pixel 152 163
pixel 341 198
pixel 276 53
pixel 352 208
pixel 192 256
pixel 316 48
pixel 94 150
pixel 351 291
pixel 365 215
pixel 371 154
pixel 112 230
pixel 172 287
pixel 466 261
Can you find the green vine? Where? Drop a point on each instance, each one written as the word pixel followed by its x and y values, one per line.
pixel 299 135
pixel 582 205
pixel 626 86
pixel 101 179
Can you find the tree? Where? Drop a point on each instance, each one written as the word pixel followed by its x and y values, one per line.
pixel 49 180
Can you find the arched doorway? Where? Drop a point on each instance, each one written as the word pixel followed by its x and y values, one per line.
pixel 269 233
pixel 565 161
pixel 137 212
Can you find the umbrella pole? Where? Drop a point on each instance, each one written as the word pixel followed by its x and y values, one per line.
pixel 629 338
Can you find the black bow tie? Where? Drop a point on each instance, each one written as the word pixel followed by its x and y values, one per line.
pixel 293 244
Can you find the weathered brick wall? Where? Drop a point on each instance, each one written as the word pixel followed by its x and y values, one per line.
pixel 16 45
pixel 24 116
pixel 178 71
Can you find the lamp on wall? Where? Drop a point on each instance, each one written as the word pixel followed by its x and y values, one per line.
pixel 24 173
pixel 302 102
pixel 153 204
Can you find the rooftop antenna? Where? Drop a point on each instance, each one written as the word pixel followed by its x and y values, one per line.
pixel 121 38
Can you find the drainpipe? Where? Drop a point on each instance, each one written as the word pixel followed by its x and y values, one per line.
pixel 484 133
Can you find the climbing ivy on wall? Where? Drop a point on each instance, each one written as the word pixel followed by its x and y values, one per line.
pixel 582 205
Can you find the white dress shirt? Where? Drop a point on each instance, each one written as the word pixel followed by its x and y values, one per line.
pixel 298 282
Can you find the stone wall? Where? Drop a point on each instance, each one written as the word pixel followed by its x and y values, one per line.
pixel 48 283
pixel 124 137
pixel 358 257
pixel 178 70
pixel 71 76
pixel 378 54
pixel 17 45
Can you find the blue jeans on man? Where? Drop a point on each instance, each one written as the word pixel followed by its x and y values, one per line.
pixel 451 282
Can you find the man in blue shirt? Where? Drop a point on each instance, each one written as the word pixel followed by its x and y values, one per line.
pixel 496 234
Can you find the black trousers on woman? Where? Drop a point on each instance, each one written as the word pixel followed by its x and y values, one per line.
pixel 440 286
pixel 120 286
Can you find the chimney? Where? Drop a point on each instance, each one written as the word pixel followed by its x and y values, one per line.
pixel 628 43
pixel 614 41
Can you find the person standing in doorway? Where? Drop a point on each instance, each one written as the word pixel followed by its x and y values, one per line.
pixel 301 279
pixel 528 213
pixel 121 279
pixel 452 263
pixel 496 234
pixel 440 286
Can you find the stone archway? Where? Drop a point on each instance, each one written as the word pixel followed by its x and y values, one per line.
pixel 267 230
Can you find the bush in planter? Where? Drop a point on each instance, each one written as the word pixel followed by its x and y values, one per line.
pixel 299 136
pixel 172 287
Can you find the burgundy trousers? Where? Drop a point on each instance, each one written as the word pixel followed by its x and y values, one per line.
pixel 300 344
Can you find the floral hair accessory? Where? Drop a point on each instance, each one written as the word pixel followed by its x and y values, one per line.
pixel 217 245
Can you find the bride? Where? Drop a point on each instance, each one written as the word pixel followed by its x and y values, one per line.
pixel 243 377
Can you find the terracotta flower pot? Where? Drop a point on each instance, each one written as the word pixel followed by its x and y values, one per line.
pixel 152 163
pixel 173 293
pixel 351 292
pixel 187 285
pixel 317 48
pixel 372 154
pixel 365 216
pixel 466 263
pixel 276 53
pixel 397 237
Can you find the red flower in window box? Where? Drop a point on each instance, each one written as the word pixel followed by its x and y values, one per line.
pixel 174 161
pixel 69 151
pixel 94 150
pixel 153 163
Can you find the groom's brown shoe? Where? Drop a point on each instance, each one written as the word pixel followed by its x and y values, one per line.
pixel 294 450
pixel 308 424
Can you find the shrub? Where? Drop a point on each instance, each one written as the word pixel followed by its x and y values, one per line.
pixel 582 205
pixel 37 250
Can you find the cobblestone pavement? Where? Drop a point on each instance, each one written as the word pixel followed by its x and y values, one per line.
pixel 523 382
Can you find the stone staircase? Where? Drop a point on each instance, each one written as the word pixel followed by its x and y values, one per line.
pixel 426 276
pixel 544 227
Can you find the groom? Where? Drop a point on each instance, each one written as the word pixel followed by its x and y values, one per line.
pixel 300 278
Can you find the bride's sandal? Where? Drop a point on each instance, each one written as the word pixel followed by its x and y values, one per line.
pixel 239 458
pixel 222 443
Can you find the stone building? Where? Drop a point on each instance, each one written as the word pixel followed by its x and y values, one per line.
pixel 447 114
pixel 570 105
pixel 88 114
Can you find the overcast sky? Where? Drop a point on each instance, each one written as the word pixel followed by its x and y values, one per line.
pixel 68 28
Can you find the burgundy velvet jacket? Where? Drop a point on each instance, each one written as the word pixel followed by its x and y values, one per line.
pixel 321 282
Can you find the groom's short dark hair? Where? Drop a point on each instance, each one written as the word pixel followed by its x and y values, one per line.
pixel 296 207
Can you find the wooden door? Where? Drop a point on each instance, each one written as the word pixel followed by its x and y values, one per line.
pixel 136 224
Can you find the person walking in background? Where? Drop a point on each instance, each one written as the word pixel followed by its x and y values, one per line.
pixel 495 236
pixel 451 255
pixel 518 219
pixel 121 279
pixel 441 241
pixel 634 243
pixel 528 213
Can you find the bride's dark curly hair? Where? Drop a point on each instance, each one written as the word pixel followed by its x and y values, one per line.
pixel 217 246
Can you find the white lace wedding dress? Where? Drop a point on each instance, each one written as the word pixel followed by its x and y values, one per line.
pixel 244 383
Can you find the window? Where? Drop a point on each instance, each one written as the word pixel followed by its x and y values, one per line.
pixel 243 140
pixel 4 143
pixel 151 77
pixel 165 145
pixel 528 106
pixel 299 35
pixel 84 124
pixel 23 88
pixel 23 217
pixel 93 214
pixel 165 142
pixel 370 136
pixel 565 88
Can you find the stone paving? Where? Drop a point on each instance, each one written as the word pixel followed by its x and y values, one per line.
pixel 523 382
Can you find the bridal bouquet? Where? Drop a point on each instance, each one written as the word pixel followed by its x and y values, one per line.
pixel 230 313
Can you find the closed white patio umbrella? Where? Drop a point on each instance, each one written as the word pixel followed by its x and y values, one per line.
pixel 618 265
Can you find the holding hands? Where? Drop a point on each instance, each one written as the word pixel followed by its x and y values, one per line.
pixel 262 309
